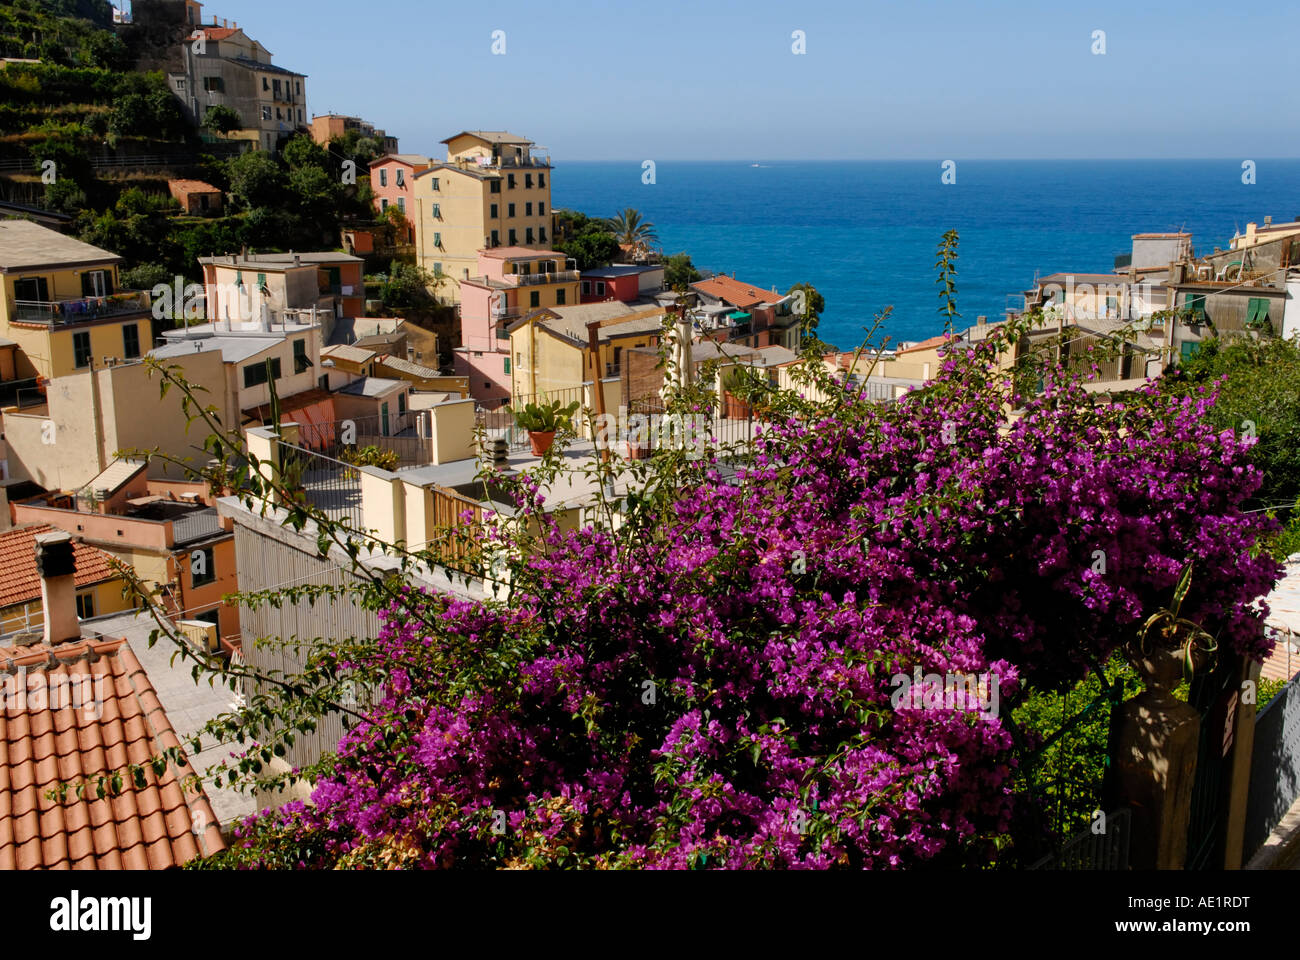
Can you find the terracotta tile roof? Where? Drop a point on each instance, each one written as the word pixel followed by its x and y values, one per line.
pixel 120 721
pixel 928 344
pixel 735 291
pixel 192 186
pixel 216 33
pixel 19 581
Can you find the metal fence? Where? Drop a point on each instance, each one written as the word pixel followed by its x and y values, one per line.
pixel 408 435
pixel 20 393
pixel 196 526
pixel 1104 849
pixel 1274 767
pixel 331 486
pixel 499 423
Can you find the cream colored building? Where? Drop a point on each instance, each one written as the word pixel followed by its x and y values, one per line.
pixel 551 349
pixel 490 192
pixel 62 305
pixel 90 416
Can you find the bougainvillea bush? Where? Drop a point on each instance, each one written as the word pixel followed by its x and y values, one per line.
pixel 711 684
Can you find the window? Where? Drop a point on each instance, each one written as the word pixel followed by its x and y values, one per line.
pixel 437 211
pixel 85 606
pixel 180 84
pixel 528 180
pixel 600 288
pixel 510 209
pixel 266 113
pixel 541 234
pixel 300 114
pixel 279 115
pixel 35 289
pixel 507 366
pixel 496 238
pixel 383 419
pixel 586 288
pixel 1112 306
pixel 1257 313
pixel 559 297
pixel 437 269
pixel 437 239
pixel 383 204
pixel 203 568
pixel 298 86
pixel 528 235
pixel 510 181
pixel 495 187
pixel 401 177
pixel 383 178
pixel 541 209
pixel 261 282
pixel 493 211
pixel 1195 304
pixel 435 183
pixel 535 298
pixel 1189 349
pixel 514 237
pixel 266 84
pixel 96 283
pixel 214 84
pixel 541 179
pixel 401 404
pixel 401 204
pixel 130 341
pixel 210 616
pixel 81 348
pixel 528 209
pixel 301 362
pixel 275 89
pixel 255 373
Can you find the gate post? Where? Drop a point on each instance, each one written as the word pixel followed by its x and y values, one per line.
pixel 1241 728
pixel 1155 763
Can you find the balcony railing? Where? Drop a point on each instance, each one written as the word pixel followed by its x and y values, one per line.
pixel 533 279
pixel 81 310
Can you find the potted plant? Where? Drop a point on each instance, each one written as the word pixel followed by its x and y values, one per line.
pixel 543 421
pixel 735 387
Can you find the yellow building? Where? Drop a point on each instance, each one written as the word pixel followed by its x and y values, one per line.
pixel 490 192
pixel 551 347
pixel 62 304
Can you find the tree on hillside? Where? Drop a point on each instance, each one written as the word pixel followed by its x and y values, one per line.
pixel 631 231
pixel 256 180
pixel 221 120
pixel 679 271
pixel 593 247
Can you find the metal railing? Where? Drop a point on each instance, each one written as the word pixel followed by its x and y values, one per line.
pixel 81 309
pixel 196 526
pixel 1095 851
pixel 331 486
pixel 535 279
pixel 20 393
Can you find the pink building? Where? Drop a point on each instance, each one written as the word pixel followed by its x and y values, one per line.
pixel 511 282
pixel 392 178
pixel 623 282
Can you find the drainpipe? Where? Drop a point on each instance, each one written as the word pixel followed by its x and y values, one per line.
pixel 97 419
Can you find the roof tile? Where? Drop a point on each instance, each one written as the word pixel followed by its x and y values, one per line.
pixel 42 745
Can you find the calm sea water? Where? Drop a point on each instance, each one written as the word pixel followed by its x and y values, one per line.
pixel 865 233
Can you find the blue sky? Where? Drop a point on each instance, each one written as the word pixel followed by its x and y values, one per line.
pixel 710 80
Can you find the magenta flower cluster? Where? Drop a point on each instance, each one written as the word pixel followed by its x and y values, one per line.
pixel 714 691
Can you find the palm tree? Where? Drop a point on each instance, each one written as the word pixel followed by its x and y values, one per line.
pixel 631 231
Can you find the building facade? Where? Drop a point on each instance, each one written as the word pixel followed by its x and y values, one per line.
pixel 491 192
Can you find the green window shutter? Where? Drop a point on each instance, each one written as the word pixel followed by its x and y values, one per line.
pixel 507 370
pixel 1189 349
pixel 1257 312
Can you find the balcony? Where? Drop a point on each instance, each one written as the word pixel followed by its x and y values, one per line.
pixel 537 279
pixel 81 310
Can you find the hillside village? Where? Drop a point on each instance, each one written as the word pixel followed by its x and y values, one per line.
pixel 443 301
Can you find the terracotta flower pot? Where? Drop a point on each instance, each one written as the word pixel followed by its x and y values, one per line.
pixel 541 441
pixel 737 409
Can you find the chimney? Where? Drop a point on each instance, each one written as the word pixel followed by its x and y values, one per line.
pixel 1268 221
pixel 57 570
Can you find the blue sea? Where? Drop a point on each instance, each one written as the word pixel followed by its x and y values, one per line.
pixel 865 233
